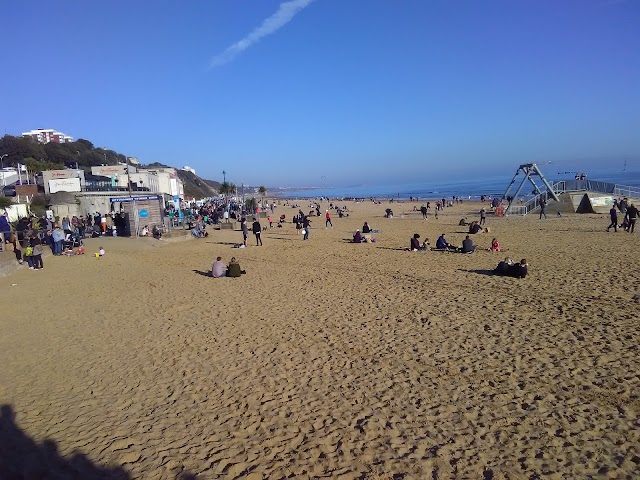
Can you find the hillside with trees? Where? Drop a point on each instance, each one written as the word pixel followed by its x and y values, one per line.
pixel 83 154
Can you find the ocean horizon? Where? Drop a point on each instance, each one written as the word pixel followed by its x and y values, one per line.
pixel 465 188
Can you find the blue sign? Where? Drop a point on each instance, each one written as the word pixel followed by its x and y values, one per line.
pixel 143 214
pixel 134 198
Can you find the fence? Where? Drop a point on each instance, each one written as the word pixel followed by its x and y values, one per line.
pixel 576 186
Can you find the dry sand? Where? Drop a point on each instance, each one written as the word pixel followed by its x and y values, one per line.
pixel 328 359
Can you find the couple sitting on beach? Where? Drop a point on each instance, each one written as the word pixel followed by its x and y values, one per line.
pixel 416 246
pixel 365 236
pixel 510 269
pixel 219 269
pixel 467 245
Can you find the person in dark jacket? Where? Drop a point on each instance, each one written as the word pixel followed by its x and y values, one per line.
pixel 306 225
pixel 632 215
pixel 519 270
pixel 468 246
pixel 614 219
pixel 414 246
pixel 234 270
pixel 441 243
pixel 357 237
pixel 257 228
pixel 245 231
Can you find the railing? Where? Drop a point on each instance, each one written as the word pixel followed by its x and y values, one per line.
pixel 625 191
pixel 562 186
pixel 534 203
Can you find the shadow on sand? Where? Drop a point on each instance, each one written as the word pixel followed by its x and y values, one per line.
pixel 490 273
pixel 204 274
pixel 22 458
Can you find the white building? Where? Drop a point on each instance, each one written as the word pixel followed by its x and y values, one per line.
pixel 119 177
pixel 46 135
pixel 168 181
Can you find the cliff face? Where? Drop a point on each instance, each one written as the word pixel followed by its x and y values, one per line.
pixel 196 187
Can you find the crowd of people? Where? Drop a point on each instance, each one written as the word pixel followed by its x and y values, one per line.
pixel 630 215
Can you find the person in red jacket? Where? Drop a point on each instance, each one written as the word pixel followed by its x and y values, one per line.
pixel 327 222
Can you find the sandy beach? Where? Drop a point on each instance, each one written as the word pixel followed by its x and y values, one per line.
pixel 329 359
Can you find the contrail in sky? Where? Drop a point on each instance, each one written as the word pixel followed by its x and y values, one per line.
pixel 286 11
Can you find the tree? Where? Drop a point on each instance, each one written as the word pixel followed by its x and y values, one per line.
pixel 83 145
pixel 5 202
pixel 225 188
pixel 251 204
pixel 39 205
pixel 263 192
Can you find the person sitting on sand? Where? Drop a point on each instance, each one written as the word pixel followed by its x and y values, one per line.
pixel 233 270
pixel 503 267
pixel 519 270
pixel 145 231
pixel 414 245
pixel 219 268
pixel 157 234
pixel 441 243
pixel 366 228
pixel 357 237
pixel 468 246
pixel 511 269
pixel 474 228
pixel 495 245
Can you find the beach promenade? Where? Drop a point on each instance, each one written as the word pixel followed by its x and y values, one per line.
pixel 329 359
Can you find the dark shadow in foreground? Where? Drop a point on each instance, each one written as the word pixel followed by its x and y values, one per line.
pixel 204 274
pixel 480 271
pixel 22 458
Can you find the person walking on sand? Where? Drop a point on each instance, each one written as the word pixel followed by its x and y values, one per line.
pixel 257 228
pixel 245 231
pixel 483 216
pixel 423 210
pixel 614 219
pixel 632 215
pixel 305 227
pixel 327 221
pixel 543 208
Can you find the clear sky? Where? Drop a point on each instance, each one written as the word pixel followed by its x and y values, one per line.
pixel 287 92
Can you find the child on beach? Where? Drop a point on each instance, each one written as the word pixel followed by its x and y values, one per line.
pixel 495 245
pixel 16 249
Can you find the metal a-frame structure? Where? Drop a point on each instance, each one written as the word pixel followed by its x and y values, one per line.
pixel 529 170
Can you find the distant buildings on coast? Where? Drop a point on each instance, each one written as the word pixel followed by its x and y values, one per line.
pixel 46 135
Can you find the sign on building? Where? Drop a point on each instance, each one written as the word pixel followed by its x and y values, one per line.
pixel 64 185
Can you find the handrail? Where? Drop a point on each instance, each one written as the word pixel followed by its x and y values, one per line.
pixel 562 186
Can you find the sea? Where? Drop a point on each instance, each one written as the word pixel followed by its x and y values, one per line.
pixel 465 188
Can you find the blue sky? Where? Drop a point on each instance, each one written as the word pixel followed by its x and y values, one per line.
pixel 285 93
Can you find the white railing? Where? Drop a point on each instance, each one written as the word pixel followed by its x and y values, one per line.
pixel 569 185
pixel 625 191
